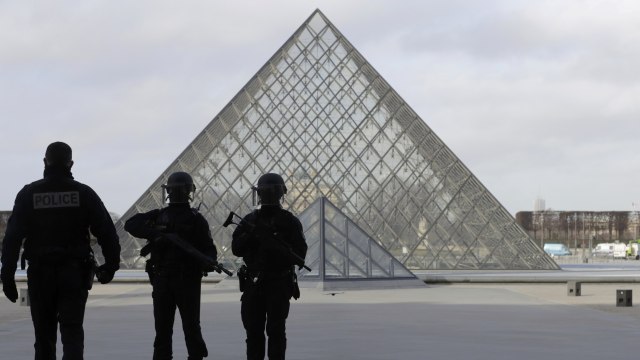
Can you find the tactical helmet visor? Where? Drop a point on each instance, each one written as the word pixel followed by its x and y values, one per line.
pixel 269 191
pixel 179 188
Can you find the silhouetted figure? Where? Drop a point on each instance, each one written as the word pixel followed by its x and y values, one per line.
pixel 178 240
pixel 54 217
pixel 264 239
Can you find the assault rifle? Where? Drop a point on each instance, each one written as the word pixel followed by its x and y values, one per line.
pixel 279 244
pixel 206 262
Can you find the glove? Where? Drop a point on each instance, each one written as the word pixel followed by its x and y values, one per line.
pixel 105 273
pixel 9 287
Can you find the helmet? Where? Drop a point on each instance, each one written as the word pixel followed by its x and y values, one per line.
pixel 179 187
pixel 270 189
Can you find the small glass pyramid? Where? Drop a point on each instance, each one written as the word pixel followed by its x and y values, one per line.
pixel 341 254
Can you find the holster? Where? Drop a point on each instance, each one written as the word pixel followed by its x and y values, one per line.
pixel 148 268
pixel 89 269
pixel 295 288
pixel 243 278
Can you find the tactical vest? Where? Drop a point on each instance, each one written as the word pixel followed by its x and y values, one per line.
pixel 173 220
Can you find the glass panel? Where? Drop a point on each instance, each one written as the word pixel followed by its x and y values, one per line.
pixel 321 116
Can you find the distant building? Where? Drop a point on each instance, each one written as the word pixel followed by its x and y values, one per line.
pixel 539 204
pixel 577 228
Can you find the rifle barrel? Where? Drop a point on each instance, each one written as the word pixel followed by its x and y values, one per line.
pixel 224 270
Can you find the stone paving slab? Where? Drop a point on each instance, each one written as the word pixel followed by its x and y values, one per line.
pixel 459 321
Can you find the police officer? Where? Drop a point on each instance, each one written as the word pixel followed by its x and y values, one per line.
pixel 265 239
pixel 175 234
pixel 54 217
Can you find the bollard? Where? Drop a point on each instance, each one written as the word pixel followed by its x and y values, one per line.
pixel 24 297
pixel 623 298
pixel 574 288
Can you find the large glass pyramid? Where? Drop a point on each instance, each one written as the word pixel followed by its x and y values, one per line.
pixel 320 115
pixel 341 255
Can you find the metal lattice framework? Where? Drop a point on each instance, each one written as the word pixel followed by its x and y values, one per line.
pixel 321 116
pixel 340 251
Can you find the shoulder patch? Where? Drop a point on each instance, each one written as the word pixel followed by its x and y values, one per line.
pixel 56 200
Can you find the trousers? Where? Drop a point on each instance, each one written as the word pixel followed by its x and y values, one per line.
pixel 266 306
pixel 182 292
pixel 58 295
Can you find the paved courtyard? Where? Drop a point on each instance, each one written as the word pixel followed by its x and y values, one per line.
pixel 440 321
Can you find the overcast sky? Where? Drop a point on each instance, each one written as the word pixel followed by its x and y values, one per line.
pixel 537 98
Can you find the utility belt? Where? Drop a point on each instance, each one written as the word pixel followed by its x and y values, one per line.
pixel 45 258
pixel 55 255
pixel 245 272
pixel 249 277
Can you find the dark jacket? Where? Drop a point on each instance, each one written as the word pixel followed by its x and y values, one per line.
pixel 264 237
pixel 179 219
pixel 55 216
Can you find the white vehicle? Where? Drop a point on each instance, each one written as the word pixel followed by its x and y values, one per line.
pixel 619 251
pixel 603 249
